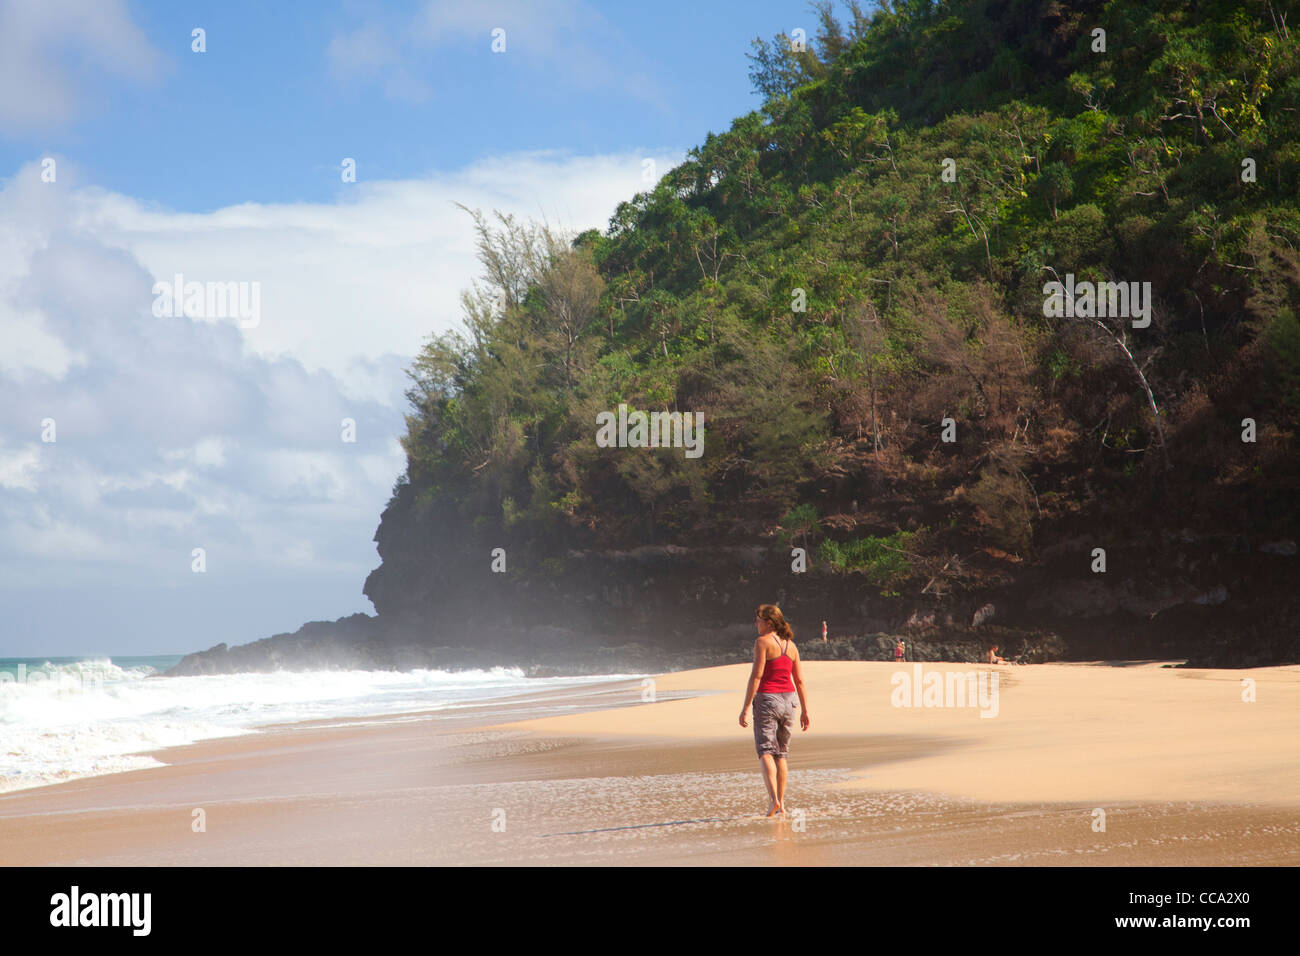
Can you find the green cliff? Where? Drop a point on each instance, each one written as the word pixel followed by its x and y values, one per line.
pixel 852 287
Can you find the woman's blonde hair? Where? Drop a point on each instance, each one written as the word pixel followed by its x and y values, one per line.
pixel 772 614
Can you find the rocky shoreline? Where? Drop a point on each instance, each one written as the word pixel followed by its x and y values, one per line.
pixel 1209 599
pixel 296 652
pixel 360 643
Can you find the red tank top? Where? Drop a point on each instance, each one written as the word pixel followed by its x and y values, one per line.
pixel 776 675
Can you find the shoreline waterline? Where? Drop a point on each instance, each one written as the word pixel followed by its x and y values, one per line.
pixel 66 718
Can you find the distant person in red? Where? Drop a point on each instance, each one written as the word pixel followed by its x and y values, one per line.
pixel 774 681
pixel 899 651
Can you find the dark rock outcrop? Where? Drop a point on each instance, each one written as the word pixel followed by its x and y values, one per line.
pixel 1209 601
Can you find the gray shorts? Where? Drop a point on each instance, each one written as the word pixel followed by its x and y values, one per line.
pixel 774 722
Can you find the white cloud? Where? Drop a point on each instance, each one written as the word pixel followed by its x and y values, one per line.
pixel 210 453
pixel 53 52
pixel 30 348
pixel 18 467
pixel 176 433
pixel 170 432
pixel 371 274
pixel 372 53
pixel 363 52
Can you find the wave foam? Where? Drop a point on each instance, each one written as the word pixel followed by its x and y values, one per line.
pixel 91 717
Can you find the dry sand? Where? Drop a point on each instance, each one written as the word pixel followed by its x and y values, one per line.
pixel 1090 732
pixel 1186 772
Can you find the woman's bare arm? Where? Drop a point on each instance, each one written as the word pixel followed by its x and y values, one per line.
pixel 796 674
pixel 755 676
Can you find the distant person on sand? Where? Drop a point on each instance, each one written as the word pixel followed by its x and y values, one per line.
pixel 899 651
pixel 774 681
pixel 994 659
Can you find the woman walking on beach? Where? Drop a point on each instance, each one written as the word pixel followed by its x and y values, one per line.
pixel 774 681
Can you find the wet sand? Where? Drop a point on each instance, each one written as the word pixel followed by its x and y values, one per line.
pixel 1185 772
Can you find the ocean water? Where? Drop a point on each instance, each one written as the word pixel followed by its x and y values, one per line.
pixel 66 717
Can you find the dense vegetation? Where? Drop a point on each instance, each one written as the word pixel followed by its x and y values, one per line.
pixel 814 284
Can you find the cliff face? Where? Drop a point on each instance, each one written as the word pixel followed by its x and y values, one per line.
pixel 1220 600
pixel 1217 601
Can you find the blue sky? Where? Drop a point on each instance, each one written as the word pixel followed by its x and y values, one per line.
pixel 130 438
pixel 285 91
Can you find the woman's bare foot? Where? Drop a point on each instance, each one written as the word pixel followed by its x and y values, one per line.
pixel 775 809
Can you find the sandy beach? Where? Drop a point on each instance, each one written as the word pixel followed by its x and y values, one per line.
pixel 1181 770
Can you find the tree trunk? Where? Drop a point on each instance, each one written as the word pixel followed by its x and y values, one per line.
pixel 1146 387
